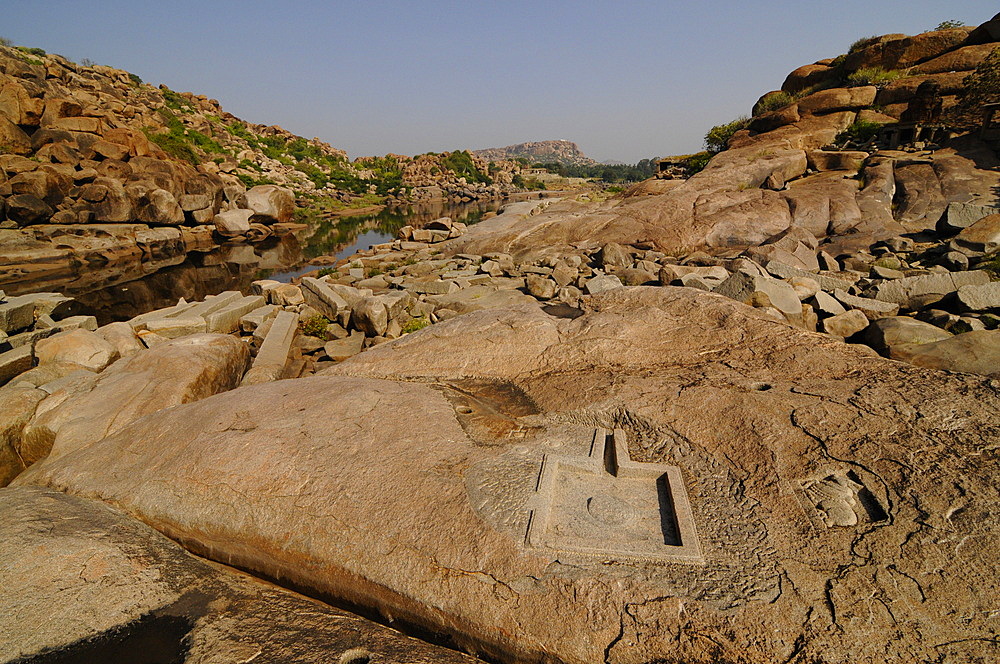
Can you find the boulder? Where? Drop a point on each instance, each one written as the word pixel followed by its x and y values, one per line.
pixel 602 283
pixel 901 291
pixel 270 204
pixel 985 297
pixel 887 335
pixel 548 466
pixel 873 309
pixel 616 255
pixel 976 352
pixel 902 51
pixel 807 76
pixel 122 337
pixel 837 99
pixel 82 581
pixel 83 347
pixel 846 324
pixel 541 287
pixel 28 209
pixel 17 406
pixel 982 235
pixel 370 316
pixel 341 349
pixel 233 222
pixel 168 374
pixel 742 287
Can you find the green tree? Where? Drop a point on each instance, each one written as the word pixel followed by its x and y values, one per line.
pixel 982 87
pixel 717 138
pixel 948 25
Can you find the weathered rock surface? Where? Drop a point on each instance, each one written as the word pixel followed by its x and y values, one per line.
pixel 84 582
pixel 172 373
pixel 822 524
pixel 977 352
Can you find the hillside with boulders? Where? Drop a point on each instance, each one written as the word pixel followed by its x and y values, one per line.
pixel 540 152
pixel 97 166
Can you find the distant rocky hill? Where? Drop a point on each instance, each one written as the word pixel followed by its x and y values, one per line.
pixel 563 152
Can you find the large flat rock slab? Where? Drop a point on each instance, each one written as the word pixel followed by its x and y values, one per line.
pixel 81 581
pixel 764 494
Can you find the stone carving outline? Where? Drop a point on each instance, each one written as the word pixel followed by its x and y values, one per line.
pixel 609 506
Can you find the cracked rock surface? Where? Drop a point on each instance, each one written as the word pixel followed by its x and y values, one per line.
pixel 845 504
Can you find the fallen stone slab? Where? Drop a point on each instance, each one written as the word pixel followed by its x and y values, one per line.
pixel 256 318
pixel 111 589
pixel 873 309
pixel 899 291
pixel 273 354
pixel 318 295
pixel 339 350
pixel 826 282
pixel 962 215
pixel 14 362
pixel 174 328
pixel 139 322
pixel 210 305
pixel 17 313
pixel 227 319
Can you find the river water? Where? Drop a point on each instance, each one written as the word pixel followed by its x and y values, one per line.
pixel 153 285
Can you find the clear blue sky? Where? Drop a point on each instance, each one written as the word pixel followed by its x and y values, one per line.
pixel 625 80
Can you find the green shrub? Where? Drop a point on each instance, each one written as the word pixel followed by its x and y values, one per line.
pixel 327 271
pixel 863 43
pixel 873 76
pixel 982 86
pixel 135 79
pixel 415 324
pixel 460 163
pixel 772 102
pixel 861 131
pixel 316 326
pixel 32 51
pixel 6 42
pixel 717 138
pixel 528 184
pixel 697 162
pixel 948 25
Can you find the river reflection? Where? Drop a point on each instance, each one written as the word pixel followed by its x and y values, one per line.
pixel 119 292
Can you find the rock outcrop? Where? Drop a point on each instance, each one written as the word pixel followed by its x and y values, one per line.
pixel 821 517
pixel 546 152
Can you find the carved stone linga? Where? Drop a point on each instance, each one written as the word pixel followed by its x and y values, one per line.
pixel 607 505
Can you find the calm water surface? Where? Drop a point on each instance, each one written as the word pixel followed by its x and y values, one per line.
pixel 119 292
